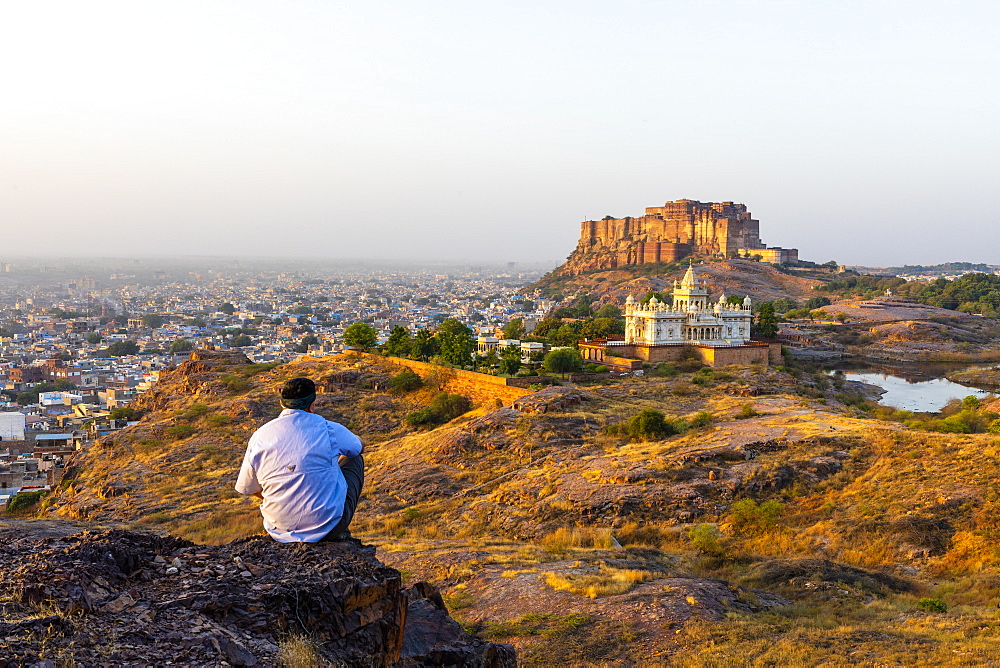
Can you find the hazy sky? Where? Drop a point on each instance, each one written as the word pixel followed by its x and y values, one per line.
pixel 864 132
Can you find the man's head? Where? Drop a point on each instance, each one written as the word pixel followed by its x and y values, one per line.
pixel 298 393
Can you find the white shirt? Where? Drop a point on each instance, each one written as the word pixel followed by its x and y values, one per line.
pixel 292 461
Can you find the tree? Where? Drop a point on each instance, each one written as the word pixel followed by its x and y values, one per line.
pixel 455 349
pixel 124 413
pixel 181 346
pixel 817 302
pixel 152 321
pixel 6 333
pixel 424 346
pixel 784 304
pixel 489 361
pixel 93 337
pixel 63 385
pixel 454 341
pixel 240 341
pixel 563 360
pixel 360 335
pixel 766 326
pixel 122 349
pixel 510 360
pixel 514 329
pixel 399 343
pixel 666 299
pixel 568 334
pixel 227 308
pixel 547 326
pixel 602 328
pixel 609 311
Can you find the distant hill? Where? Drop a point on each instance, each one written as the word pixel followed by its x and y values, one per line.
pixel 944 268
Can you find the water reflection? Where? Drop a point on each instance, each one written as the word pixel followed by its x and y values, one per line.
pixel 912 393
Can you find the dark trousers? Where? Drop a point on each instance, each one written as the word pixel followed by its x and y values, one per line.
pixel 354 473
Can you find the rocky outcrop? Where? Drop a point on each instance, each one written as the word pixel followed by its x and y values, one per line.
pixel 118 598
pixel 552 398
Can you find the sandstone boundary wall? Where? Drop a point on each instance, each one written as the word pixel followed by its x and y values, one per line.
pixel 481 388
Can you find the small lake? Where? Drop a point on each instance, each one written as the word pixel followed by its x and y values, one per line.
pixel 914 393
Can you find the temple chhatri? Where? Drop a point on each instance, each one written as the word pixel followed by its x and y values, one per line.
pixel 671 232
pixel 718 332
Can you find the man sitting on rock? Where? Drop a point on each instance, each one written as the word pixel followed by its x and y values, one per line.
pixel 308 471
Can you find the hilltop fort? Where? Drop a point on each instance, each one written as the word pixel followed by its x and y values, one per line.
pixel 670 232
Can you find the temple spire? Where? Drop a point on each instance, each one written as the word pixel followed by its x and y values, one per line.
pixel 690 280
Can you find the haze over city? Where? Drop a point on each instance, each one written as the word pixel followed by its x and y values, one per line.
pixel 861 132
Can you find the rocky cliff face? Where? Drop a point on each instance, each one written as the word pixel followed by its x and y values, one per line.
pixel 121 598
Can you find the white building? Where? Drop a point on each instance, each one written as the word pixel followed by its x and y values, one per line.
pixel 12 426
pixel 692 318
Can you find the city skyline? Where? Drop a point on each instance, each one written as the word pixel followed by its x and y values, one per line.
pixel 861 132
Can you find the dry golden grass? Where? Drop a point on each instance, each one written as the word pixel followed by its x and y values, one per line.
pixel 221 527
pixel 299 652
pixel 564 538
pixel 608 581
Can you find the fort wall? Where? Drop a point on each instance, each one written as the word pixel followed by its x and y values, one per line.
pixel 633 356
pixel 481 388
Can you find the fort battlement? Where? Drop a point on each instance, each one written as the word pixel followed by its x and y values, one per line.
pixel 670 232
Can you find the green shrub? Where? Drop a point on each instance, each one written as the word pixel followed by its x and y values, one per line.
pixel 24 500
pixel 217 420
pixel 235 383
pixel 932 605
pixel 179 431
pixel 444 407
pixel 406 381
pixel 419 418
pixel 649 424
pixel 449 406
pixel 747 411
pixel 124 413
pixel 701 419
pixel 248 370
pixel 748 518
pixel 706 538
pixel 148 444
pixel 665 370
pixel 193 411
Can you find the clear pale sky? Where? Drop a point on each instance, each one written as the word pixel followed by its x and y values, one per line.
pixel 864 132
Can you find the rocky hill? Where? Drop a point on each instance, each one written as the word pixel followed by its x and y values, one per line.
pixel 760 281
pixel 121 598
pixel 770 514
